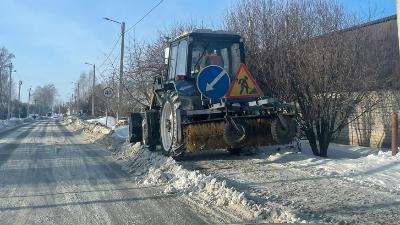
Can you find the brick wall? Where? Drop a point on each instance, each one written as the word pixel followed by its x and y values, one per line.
pixel 372 128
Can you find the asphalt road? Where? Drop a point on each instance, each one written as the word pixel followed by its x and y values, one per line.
pixel 48 175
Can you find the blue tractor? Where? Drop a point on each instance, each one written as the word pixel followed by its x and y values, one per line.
pixel 208 99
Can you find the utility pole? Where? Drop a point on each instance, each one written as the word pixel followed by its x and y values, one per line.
pixel 77 104
pixel 121 65
pixel 29 100
pixel 94 84
pixel 19 99
pixel 9 99
pixel 121 70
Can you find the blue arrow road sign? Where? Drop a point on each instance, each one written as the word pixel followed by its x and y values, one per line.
pixel 213 82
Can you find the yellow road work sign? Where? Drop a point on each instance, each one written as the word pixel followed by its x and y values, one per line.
pixel 244 85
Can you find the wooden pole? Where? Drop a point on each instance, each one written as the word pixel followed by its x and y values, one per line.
pixel 395 127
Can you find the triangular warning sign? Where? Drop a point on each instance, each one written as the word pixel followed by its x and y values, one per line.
pixel 244 85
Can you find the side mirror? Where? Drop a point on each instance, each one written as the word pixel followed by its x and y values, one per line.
pixel 166 55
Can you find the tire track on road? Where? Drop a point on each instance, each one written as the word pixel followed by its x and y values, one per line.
pixel 6 150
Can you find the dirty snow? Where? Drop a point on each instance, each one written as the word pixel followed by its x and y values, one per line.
pixel 111 121
pixel 13 122
pixel 152 168
pixel 122 131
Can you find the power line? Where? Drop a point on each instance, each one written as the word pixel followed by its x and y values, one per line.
pixel 140 20
pixel 111 51
pixel 119 37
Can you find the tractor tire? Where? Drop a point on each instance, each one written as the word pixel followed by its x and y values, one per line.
pixel 151 129
pixel 135 127
pixel 170 125
pixel 236 139
pixel 281 135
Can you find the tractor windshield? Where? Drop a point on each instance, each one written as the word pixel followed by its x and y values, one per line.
pixel 226 55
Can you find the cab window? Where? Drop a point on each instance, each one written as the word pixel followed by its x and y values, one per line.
pixel 172 62
pixel 182 56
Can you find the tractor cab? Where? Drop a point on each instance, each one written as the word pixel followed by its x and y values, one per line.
pixel 191 52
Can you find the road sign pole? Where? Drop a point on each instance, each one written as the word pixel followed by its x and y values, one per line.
pixel 107 112
pixel 108 93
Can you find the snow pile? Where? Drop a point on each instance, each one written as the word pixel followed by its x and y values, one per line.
pixel 140 159
pixel 94 131
pixel 122 131
pixel 13 122
pixel 152 168
pixel 155 168
pixel 106 121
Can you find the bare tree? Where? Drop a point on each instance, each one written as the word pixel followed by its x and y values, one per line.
pixel 5 60
pixel 44 97
pixel 300 52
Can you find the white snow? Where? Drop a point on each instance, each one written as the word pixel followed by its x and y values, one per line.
pixel 111 121
pixel 369 166
pixel 152 168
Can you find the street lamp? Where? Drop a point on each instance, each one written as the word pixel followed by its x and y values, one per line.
pixel 94 83
pixel 121 63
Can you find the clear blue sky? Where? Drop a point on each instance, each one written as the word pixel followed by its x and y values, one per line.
pixel 52 39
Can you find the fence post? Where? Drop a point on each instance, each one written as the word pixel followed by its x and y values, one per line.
pixel 395 127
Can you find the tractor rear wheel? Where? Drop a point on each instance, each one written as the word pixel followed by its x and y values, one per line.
pixel 151 129
pixel 135 127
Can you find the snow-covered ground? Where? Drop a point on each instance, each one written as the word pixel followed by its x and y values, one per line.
pixel 368 166
pixel 355 185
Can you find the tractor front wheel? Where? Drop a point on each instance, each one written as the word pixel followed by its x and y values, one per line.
pixel 169 125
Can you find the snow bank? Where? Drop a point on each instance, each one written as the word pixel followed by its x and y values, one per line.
pixel 152 168
pixel 94 131
pixel 111 121
pixel 122 131
pixel 13 122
